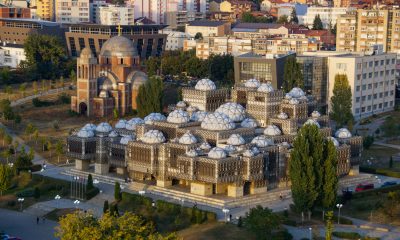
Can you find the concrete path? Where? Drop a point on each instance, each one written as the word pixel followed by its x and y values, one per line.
pixel 23 225
pixel 387 145
pixel 29 98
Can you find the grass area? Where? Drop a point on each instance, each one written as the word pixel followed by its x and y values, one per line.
pixel 379 156
pixel 215 231
pixel 57 213
pixel 24 185
pixel 361 207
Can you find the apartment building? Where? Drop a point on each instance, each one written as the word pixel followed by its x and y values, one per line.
pixel 11 55
pixel 222 46
pixel 237 7
pixel 208 28
pixel 175 39
pixel 115 15
pixel 260 30
pixel 73 11
pixel 14 12
pixel 45 9
pixel 181 18
pixel 328 15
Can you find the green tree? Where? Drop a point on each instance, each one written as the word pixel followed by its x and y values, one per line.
pixel 390 127
pixel 341 101
pixel 105 206
pixel 72 76
pixel 261 221
pixel 5 75
pixel 317 24
pixel 49 146
pixel 59 149
pixel 283 19
pixel 89 183
pixel 6 153
pixel 152 65
pixel 198 36
pixel 35 87
pixel 43 142
pixel 117 192
pixel 292 76
pixel 293 17
pixel 36 136
pixel 247 17
pixel 368 141
pixel 116 113
pixel 391 162
pixel 8 140
pixel 219 69
pixel 45 55
pixel 114 209
pixel 9 91
pixel 334 29
pixel 196 67
pixel 29 130
pixel 330 178
pixel 150 97
pixel 5 177
pixel 23 161
pixel 36 193
pixel 329 225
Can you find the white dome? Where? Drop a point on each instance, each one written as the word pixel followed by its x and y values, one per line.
pixel 217 153
pixel 272 130
pixel 343 133
pixel 261 141
pixel 181 104
pixel 154 117
pixel 230 149
pixel 282 115
pixel 294 101
pixel 121 124
pixel 234 111
pixel 153 136
pixel 288 96
pixel 252 83
pixel 85 133
pixel 248 153
pixel 205 146
pixel 205 85
pixel 131 124
pixel 217 121
pixel 192 153
pixel 90 126
pixel 255 150
pixel 312 122
pixel 192 109
pixel 249 123
pixel 178 116
pixel 296 92
pixel 188 138
pixel 335 142
pixel 113 134
pixel 125 139
pixel 198 116
pixel 103 127
pixel 235 140
pixel 265 87
pixel 315 114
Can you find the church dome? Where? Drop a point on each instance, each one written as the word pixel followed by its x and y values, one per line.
pixel 234 111
pixel 119 46
pixel 198 116
pixel 205 85
pixel 343 133
pixel 296 92
pixel 235 140
pixel 125 139
pixel 178 116
pixel 249 123
pixel 188 138
pixel 266 88
pixel 90 126
pixel 121 124
pixel 272 130
pixel 217 121
pixel 252 83
pixel 312 122
pixel 85 133
pixel 192 153
pixel 103 127
pixel 153 136
pixel 86 53
pixel 217 153
pixel 137 79
pixel 261 141
pixel 154 117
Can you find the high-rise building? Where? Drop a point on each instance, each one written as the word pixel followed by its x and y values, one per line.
pixel 328 16
pixel 73 11
pixel 115 15
pixel 45 9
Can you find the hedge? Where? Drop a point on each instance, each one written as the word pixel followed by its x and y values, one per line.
pixel 29 192
pixel 92 193
pixel 347 235
pixel 380 171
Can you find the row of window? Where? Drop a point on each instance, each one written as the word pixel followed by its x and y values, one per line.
pixel 369 97
pixel 375 74
pixel 371 63
pixel 374 107
pixel 364 86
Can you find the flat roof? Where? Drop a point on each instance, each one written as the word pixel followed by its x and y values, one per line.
pixel 259 56
pixel 31 20
pixel 204 23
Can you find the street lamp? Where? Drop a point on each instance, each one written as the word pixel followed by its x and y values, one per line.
pixel 142 193
pixel 153 204
pixel 76 203
pixel 226 211
pixel 96 181
pixel 182 201
pixel 57 197
pixel 20 200
pixel 310 232
pixel 339 206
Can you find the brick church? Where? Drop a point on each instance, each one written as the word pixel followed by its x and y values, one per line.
pixel 109 81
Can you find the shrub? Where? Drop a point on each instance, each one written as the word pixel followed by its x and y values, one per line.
pixel 11 203
pixel 29 192
pixel 64 98
pixel 211 216
pixel 368 141
pixel 40 103
pixel 36 167
pixel 347 235
pixel 36 193
pixel 92 193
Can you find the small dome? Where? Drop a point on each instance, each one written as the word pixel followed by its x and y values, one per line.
pixel 125 139
pixel 205 146
pixel 131 124
pixel 296 92
pixel 234 111
pixel 198 116
pixel 230 149
pixel 261 141
pixel 103 127
pixel 153 136
pixel 90 126
pixel 192 109
pixel 192 153
pixel 86 53
pixel 118 46
pixel 249 123
pixel 154 117
pixel 343 133
pixel 265 87
pixel 217 121
pixel 217 153
pixel 272 130
pixel 315 114
pixel 294 101
pixel 252 83
pixel 312 122
pixel 113 134
pixel 178 116
pixel 137 79
pixel 335 142
pixel 282 115
pixel 255 150
pixel 85 133
pixel 188 138
pixel 285 144
pixel 205 85
pixel 104 94
pixel 288 96
pixel 181 104
pixel 121 124
pixel 235 140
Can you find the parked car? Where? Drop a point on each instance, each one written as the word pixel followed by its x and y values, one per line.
pixel 363 187
pixel 389 183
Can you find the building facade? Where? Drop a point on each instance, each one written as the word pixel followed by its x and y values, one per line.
pixel 115 15
pixel 328 16
pixel 175 39
pixel 11 55
pixel 68 11
pixel 14 12
pixel 237 8
pixel 181 18
pixel 45 10
pixel 208 28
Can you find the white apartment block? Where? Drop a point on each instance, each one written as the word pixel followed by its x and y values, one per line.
pixel 175 39
pixel 222 46
pixel 11 55
pixel 73 11
pixel 328 15
pixel 115 15
pixel 371 78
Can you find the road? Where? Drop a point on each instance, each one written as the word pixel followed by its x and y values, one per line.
pixel 29 98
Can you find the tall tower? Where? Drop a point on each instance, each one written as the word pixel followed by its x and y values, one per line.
pixel 86 81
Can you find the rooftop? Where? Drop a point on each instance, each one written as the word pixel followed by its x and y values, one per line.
pixel 30 20
pixel 204 23
pixel 267 56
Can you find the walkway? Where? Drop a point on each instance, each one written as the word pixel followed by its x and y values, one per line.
pixel 29 98
pixel 387 145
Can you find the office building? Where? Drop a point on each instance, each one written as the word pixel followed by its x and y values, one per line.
pixel 181 18
pixel 328 16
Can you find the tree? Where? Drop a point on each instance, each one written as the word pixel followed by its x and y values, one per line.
pixel 368 141
pixel 72 76
pixel 334 29
pixel 292 76
pixel 261 221
pixel 9 91
pixel 152 65
pixel 293 17
pixel 23 161
pixel 36 136
pixel 198 36
pixel 30 129
pixel 35 87
pixel 330 178
pixel 317 24
pixel 390 127
pixel 89 184
pixel 45 55
pixel 43 142
pixel 219 68
pixel 329 225
pixel 36 193
pixel 341 101
pixel 61 82
pixel 49 146
pixel 150 97
pixel 8 140
pixel 117 192
pixel 114 209
pixel 283 19
pixel 247 17
pixel 105 206
pixel 17 119
pixel 59 149
pixel 5 177
pixel 22 89
pixel 6 153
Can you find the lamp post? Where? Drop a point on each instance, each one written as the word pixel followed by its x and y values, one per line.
pixel 310 229
pixel 339 206
pixel 225 211
pixel 76 203
pixel 182 201
pixel 21 200
pixel 142 193
pixel 57 198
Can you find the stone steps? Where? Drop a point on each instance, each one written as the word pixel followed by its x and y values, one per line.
pixel 99 177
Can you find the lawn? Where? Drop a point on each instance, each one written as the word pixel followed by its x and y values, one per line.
pixel 215 231
pixel 57 213
pixel 378 155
